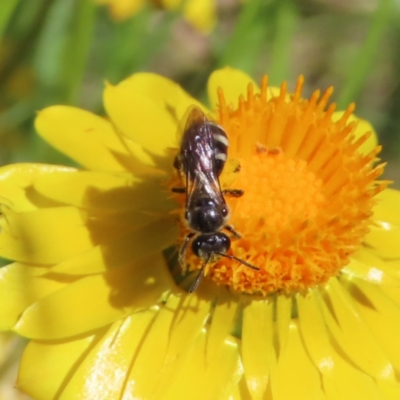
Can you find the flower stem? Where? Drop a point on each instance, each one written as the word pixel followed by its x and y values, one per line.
pixel 248 37
pixel 77 48
pixel 134 43
pixel 6 11
pixel 364 60
pixel 25 44
pixel 285 22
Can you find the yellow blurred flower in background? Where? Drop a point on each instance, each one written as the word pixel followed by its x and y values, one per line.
pixel 199 13
pixel 22 81
pixel 94 282
pixel 17 90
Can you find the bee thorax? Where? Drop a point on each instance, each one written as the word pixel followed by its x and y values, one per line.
pixel 206 219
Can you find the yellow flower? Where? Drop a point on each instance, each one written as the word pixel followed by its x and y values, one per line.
pixel 96 287
pixel 10 351
pixel 199 13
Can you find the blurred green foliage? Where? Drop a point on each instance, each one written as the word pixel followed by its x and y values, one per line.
pixel 62 51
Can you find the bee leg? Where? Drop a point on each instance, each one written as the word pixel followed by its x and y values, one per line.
pixel 198 279
pixel 233 192
pixel 179 190
pixel 200 274
pixel 230 229
pixel 182 251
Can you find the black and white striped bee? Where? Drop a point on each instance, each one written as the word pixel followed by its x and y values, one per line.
pixel 201 160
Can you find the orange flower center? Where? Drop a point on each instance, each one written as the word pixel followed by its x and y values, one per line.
pixel 308 191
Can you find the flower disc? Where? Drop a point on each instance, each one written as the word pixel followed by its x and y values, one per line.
pixel 308 190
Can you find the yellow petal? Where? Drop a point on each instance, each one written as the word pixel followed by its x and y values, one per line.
pixel 189 320
pixel 149 239
pixel 363 126
pixel 296 376
pixel 44 236
pixel 330 390
pixel 393 293
pixel 314 332
pixel 387 209
pixel 316 341
pixel 97 300
pixel 380 314
pixel 349 382
pixel 190 373
pixel 340 379
pixel 257 345
pixel 146 369
pixel 394 267
pixel 106 191
pixel 165 93
pixel 239 391
pixel 20 286
pixel 367 266
pixel 221 322
pixel 103 372
pixel 390 391
pixel 183 318
pixel 189 381
pixel 147 108
pixel 352 334
pixel 87 138
pixel 233 82
pixel 57 360
pixel 16 178
pixel 384 239
pixel 283 312
pixel 220 376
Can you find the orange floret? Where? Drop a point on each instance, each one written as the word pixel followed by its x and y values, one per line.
pixel 308 191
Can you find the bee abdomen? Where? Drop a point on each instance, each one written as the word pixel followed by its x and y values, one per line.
pixel 220 140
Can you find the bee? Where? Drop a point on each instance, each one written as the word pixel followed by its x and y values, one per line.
pixel 201 160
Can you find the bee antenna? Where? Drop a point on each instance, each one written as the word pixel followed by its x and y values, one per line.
pixel 231 257
pixel 200 275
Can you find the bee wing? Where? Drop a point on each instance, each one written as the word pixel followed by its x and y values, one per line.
pixel 194 112
pixel 204 179
pixel 204 183
pixel 198 156
pixel 191 184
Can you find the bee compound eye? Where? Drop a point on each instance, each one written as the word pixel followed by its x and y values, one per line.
pixel 198 245
pixel 222 242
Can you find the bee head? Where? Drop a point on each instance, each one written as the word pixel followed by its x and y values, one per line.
pixel 208 245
